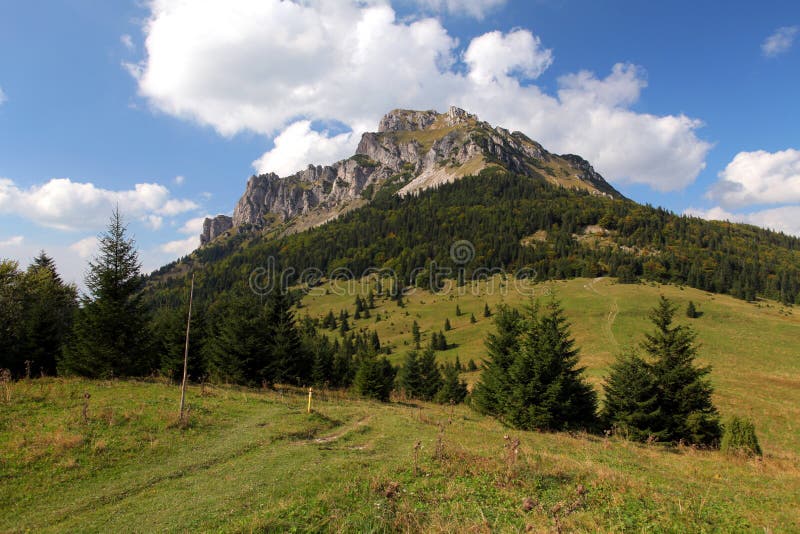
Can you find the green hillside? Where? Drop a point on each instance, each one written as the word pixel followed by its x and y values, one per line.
pixel 752 347
pixel 254 460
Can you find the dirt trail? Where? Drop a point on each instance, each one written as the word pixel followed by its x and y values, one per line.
pixel 343 432
pixel 612 313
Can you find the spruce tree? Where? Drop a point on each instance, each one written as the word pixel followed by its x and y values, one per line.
pixel 547 389
pixel 447 326
pixel 409 379
pixel 684 391
pixel 691 311
pixel 110 335
pixel 49 308
pixel 168 328
pixel 12 293
pixel 430 376
pixel 374 378
pixel 287 359
pixel 486 311
pixel 453 390
pixel 236 347
pixel 323 359
pixel 415 334
pixel 491 392
pixel 472 318
pixel 631 405
pixel 458 310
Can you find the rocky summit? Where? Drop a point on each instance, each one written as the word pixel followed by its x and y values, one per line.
pixel 411 151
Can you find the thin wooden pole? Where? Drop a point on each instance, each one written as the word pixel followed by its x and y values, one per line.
pixel 186 349
pixel 308 410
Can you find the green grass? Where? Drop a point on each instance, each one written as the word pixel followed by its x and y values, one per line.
pixel 753 348
pixel 252 460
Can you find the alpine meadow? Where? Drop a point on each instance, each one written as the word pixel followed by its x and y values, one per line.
pixel 452 323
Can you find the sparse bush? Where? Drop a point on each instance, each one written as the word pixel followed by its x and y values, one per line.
pixel 739 437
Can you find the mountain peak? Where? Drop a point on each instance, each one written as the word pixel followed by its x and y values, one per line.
pixel 399 120
pixel 411 151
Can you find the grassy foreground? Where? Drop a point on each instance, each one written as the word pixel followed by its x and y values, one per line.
pixel 253 460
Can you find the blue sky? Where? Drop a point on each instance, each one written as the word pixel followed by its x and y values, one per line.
pixel 167 107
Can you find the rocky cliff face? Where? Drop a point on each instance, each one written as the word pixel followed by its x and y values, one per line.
pixel 213 228
pixel 412 150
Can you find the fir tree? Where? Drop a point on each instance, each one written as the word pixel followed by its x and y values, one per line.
pixel 691 311
pixel 374 378
pixel 471 365
pixel 330 321
pixel 12 296
pixel 472 318
pixel 447 326
pixel 287 362
pixel 409 379
pixel 430 377
pixel 631 404
pixel 486 311
pixel 323 359
pixel 547 390
pixel 453 390
pixel 491 392
pixel 168 328
pixel 49 308
pixel 110 335
pixel 375 341
pixel 458 310
pixel 684 392
pixel 236 347
pixel 415 333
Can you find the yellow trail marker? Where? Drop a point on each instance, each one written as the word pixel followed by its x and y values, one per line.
pixel 309 400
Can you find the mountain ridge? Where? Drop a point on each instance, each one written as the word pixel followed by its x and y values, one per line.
pixel 411 151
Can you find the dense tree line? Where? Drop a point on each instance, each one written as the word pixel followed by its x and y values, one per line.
pixel 36 315
pixel 531 380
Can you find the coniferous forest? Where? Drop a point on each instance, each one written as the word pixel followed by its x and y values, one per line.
pixel 498 212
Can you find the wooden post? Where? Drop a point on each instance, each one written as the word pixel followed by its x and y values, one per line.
pixel 309 401
pixel 186 349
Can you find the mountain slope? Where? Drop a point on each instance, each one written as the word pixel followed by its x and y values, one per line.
pixel 511 222
pixel 412 151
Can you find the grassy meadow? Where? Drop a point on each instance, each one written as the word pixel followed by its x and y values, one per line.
pixel 254 460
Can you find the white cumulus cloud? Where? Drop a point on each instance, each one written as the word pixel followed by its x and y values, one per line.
pixel 780 41
pixel 181 247
pixel 193 226
pixel 472 8
pixel 759 177
pixel 495 56
pixel 298 146
pixel 269 67
pixel 66 205
pixel 13 241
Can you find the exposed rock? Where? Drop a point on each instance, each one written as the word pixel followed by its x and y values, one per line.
pixel 457 116
pixel 406 120
pixel 412 150
pixel 213 228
